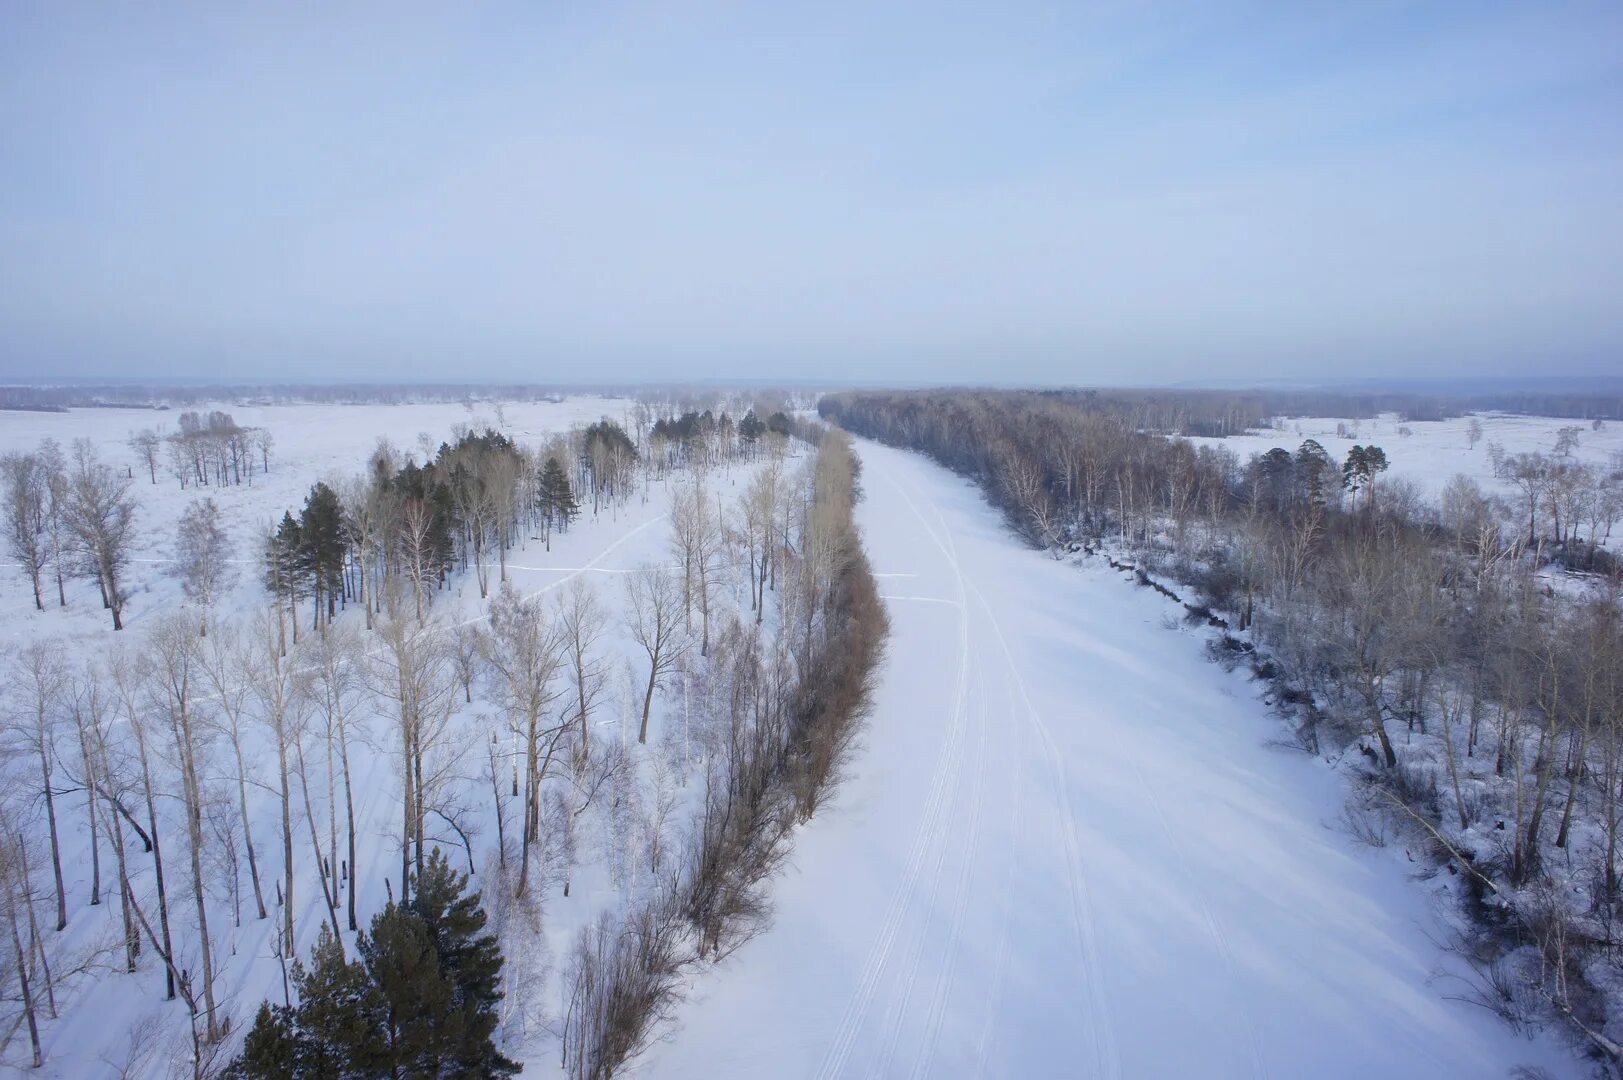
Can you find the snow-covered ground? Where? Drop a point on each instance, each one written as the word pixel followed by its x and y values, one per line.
pixel 1070 849
pixel 1066 848
pixel 313 442
pixel 108 1018
pixel 1434 451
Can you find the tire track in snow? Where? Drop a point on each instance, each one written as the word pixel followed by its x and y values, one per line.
pixel 947 975
pixel 928 832
pixel 1012 875
pixel 1106 1059
pixel 896 1014
pixel 1213 927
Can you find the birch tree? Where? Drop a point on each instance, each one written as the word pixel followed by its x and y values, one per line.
pixel 227 666
pixel 273 678
pixel 201 562
pixel 175 673
pixel 524 649
pixel 101 518
pixel 653 617
pixel 336 687
pixel 25 492
pixel 582 621
pixel 35 692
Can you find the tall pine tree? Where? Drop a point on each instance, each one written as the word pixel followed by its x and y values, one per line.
pixel 322 548
pixel 557 498
pixel 284 570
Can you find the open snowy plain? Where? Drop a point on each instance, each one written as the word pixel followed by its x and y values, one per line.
pixel 1433 452
pixel 1069 848
pixel 312 442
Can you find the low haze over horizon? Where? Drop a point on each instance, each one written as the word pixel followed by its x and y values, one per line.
pixel 1107 194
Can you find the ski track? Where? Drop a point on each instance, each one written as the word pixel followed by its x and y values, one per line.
pixel 1213 927
pixel 1011 876
pixel 928 832
pixel 944 979
pixel 946 838
pixel 1102 1033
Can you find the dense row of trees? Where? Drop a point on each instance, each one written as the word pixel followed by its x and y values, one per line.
pixel 782 710
pixel 219 764
pixel 1485 694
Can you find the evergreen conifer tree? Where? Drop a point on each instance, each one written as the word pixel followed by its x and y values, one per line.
pixel 421 1023
pixel 321 547
pixel 284 567
pixel 557 498
pixel 339 1015
pixel 469 958
pixel 419 1004
pixel 270 1052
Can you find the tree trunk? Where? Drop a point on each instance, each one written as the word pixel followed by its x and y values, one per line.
pixel 157 866
pixel 247 827
pixel 1572 791
pixel 648 699
pixel 28 997
pixel 349 813
pixel 90 805
pixel 194 825
pixel 56 848
pixel 287 837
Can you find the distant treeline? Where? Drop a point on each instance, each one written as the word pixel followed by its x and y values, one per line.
pixel 40 398
pixel 1168 412
pixel 1218 413
pixel 132 396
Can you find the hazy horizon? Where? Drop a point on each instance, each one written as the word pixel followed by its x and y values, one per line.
pixel 1121 195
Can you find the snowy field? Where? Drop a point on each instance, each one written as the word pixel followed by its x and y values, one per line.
pixel 1069 849
pixel 1435 451
pixel 313 442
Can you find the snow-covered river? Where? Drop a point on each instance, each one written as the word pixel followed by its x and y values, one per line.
pixel 1067 848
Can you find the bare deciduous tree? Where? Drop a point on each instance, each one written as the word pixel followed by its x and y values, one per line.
pixel 336 657
pixel 653 616
pixel 130 683
pixel 698 544
pixel 35 693
pixel 524 649
pixel 174 673
pixel 101 517
pixel 146 443
pixel 274 679
pixel 581 620
pixel 227 666
pixel 413 670
pixel 201 551
pixel 25 490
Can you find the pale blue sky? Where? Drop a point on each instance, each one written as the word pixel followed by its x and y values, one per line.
pixel 1052 193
